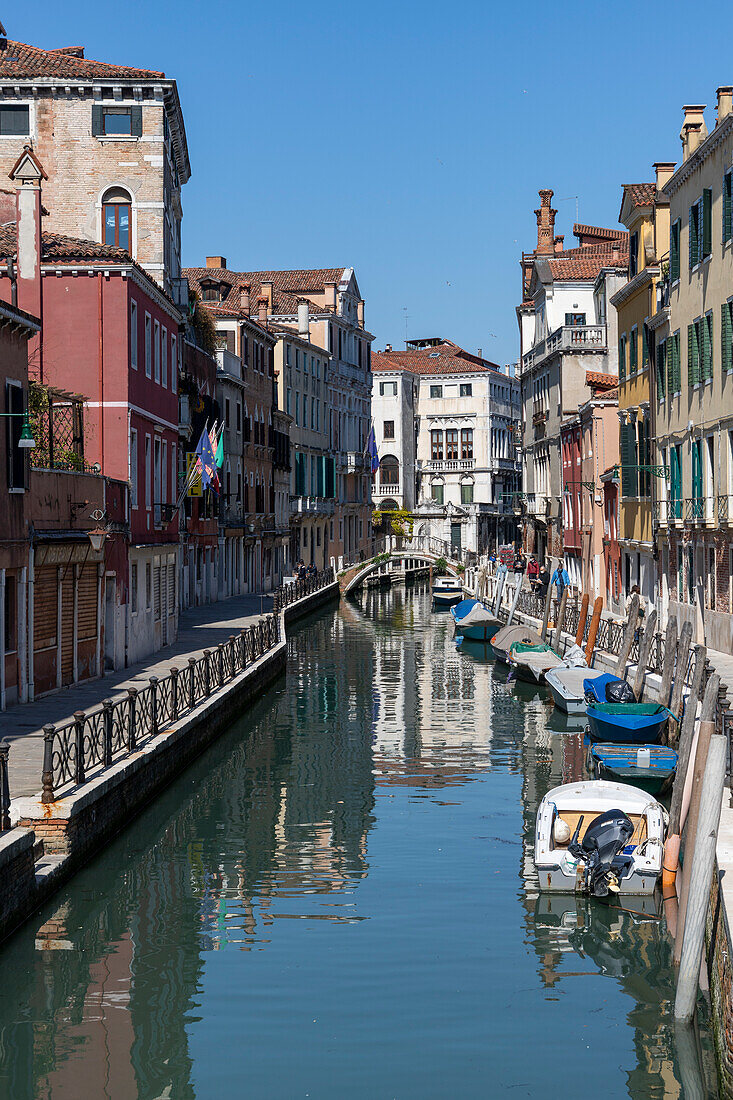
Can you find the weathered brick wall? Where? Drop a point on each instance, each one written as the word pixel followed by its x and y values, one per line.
pixel 80 167
pixel 17 879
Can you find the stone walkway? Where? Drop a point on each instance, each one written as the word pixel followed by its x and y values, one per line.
pixel 199 628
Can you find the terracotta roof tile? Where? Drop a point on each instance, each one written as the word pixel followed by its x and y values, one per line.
pixel 599 231
pixel 287 286
pixel 444 358
pixel 585 263
pixel 598 380
pixel 20 61
pixel 640 194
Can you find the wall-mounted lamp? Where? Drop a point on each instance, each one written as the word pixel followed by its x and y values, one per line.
pixel 26 441
pixel 96 538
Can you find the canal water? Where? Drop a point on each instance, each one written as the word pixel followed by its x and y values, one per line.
pixel 339 900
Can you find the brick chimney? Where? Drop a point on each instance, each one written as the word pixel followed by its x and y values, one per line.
pixel 330 291
pixel 725 102
pixel 360 313
pixel 266 289
pixel 559 244
pixel 694 130
pixel 664 170
pixel 216 261
pixel 27 173
pixel 244 302
pixel 262 309
pixel 545 224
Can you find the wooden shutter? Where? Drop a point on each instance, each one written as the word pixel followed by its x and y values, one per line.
pixel 726 352
pixel 628 461
pixel 707 328
pixel 45 600
pixel 696 470
pixel 621 359
pixel 707 221
pixel 87 604
pixel 727 196
pixel 674 252
pixel 661 368
pixel 675 482
pixel 171 589
pixel 677 364
pixel 692 366
pixel 692 237
pixel 97 120
pixel 136 121
pixel 633 351
pixel 67 625
pixel 156 593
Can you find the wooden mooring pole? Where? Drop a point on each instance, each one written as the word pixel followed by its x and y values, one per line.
pixel 546 616
pixel 670 653
pixel 582 619
pixel 700 879
pixel 595 622
pixel 628 639
pixel 557 637
pixel 645 647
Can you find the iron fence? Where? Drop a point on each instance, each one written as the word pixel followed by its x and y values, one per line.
pixel 296 590
pixel 94 739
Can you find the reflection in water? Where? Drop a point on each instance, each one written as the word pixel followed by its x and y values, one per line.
pixel 328 903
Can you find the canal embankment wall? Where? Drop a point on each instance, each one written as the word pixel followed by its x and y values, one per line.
pixel 53 840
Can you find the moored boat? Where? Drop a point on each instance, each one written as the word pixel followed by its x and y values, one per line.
pixel 649 767
pixel 531 662
pixel 506 636
pixel 447 590
pixel 566 687
pixel 598 838
pixel 474 621
pixel 627 723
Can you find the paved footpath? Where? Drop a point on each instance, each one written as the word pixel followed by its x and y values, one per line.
pixel 199 628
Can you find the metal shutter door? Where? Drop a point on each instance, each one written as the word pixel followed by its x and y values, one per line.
pixel 156 592
pixel 87 621
pixel 44 607
pixel 67 625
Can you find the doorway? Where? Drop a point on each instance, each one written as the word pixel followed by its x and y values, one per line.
pixel 455 537
pixel 110 586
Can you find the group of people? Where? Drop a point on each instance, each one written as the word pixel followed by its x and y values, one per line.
pixel 538 574
pixel 302 570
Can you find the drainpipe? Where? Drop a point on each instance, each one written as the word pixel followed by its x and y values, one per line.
pixel 2 639
pixel 31 694
pixel 100 310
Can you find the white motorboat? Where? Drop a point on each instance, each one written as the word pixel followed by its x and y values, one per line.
pixel 597 838
pixel 566 683
pixel 447 590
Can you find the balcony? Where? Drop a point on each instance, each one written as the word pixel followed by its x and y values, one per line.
pixel 509 465
pixel 538 504
pixel 184 415
pixel 228 365
pixel 448 465
pixel 355 461
pixel 311 506
pixel 383 491
pixel 699 510
pixel 567 338
pixel 232 516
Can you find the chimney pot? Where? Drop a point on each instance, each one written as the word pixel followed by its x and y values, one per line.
pixel 387 347
pixel 545 224
pixel 694 120
pixel 664 170
pixel 559 243
pixel 304 328
pixel 360 313
pixel 216 261
pixel 330 294
pixel 244 301
pixel 266 289
pixel 262 309
pixel 480 353
pixel 725 101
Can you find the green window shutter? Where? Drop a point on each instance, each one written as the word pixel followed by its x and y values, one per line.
pixel 136 121
pixel 726 351
pixel 629 472
pixel 707 221
pixel 675 482
pixel 727 197
pixel 677 363
pixel 97 122
pixel 661 368
pixel 696 470
pixel 644 347
pixel 621 359
pixel 708 330
pixel 690 355
pixel 674 252
pixel 633 343
pixel 692 238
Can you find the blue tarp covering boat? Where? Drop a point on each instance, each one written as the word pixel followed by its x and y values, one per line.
pixel 474 621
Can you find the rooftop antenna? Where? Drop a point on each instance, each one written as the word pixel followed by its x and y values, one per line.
pixel 568 198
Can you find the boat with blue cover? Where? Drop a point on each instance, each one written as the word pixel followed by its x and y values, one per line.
pixel 474 621
pixel 624 723
pixel 650 767
pixel 447 590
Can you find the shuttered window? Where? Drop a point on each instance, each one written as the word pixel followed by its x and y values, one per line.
pixel 156 593
pixel 674 251
pixel 696 469
pixel 171 589
pixel 726 336
pixel 695 233
pixel 645 342
pixel 707 222
pixel 675 482
pixel 629 472
pixel 633 351
pixel 45 601
pixel 727 206
pixel 677 363
pixel 622 358
pixel 661 357
pixel 693 355
pixel 705 341
pixel 67 625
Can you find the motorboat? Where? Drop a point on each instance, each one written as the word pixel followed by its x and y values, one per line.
pixel 474 621
pixel 505 638
pixel 531 662
pixel 599 838
pixel 447 590
pixel 566 686
pixel 614 715
pixel 649 767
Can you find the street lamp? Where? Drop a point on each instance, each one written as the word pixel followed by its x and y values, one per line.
pixel 96 538
pixel 26 441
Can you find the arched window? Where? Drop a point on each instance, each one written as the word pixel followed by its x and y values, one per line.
pixel 389 470
pixel 117 218
pixel 466 490
pixel 437 490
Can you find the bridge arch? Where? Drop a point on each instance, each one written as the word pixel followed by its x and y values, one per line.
pixel 355 578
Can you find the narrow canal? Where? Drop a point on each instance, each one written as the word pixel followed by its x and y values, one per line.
pixel 339 900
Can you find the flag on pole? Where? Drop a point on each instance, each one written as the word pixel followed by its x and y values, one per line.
pixel 207 459
pixel 371 450
pixel 220 449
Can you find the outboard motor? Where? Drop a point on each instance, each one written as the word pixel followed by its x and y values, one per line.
pixel 602 851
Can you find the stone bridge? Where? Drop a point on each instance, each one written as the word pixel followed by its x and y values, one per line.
pixel 398 561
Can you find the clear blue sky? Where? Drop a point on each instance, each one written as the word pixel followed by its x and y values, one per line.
pixel 408 139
